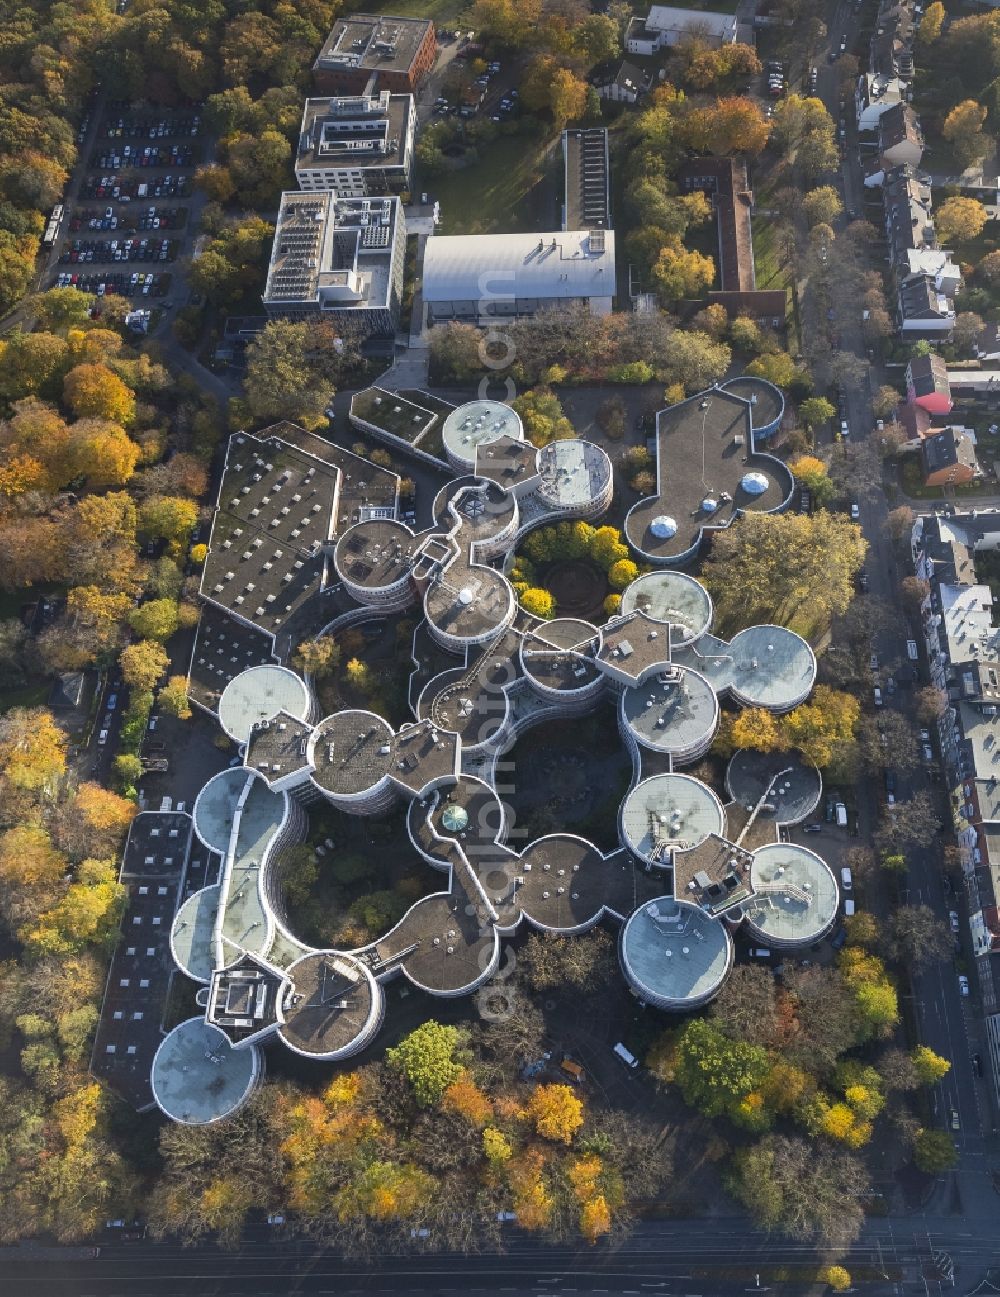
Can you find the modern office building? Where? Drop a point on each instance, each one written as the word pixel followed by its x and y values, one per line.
pixel 339 259
pixel 358 146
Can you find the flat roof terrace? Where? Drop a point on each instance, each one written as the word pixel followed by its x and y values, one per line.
pixel 795 894
pixel 483 510
pixel 354 131
pixel 508 461
pixel 703 455
pixel 779 786
pixel 765 666
pixel 245 921
pixel 382 43
pixel 259 695
pixel 560 654
pixel 469 602
pixel 197 1075
pixel 351 751
pixel 669 813
pixel 470 701
pixel 475 424
pixel 332 1002
pixel 563 882
pixel 574 473
pixel 410 418
pixel 443 942
pixel 675 954
pixel 376 553
pixel 676 713
pixel 671 597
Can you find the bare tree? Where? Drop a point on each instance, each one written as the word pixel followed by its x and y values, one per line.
pixel 917 936
pixel 908 824
pixel 889 741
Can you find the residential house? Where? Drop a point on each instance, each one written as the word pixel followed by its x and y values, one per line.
pixel 621 83
pixel 900 139
pixel 664 26
pixel 948 457
pixel 874 96
pixel 927 384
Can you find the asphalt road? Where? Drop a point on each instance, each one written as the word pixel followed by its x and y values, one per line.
pixel 946 1020
pixel 687 1258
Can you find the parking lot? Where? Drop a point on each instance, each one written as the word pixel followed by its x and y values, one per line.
pixel 136 162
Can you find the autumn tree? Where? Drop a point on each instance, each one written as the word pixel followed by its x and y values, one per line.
pixel 959 220
pixel 963 129
pixel 317 657
pixel 95 391
pixel 734 124
pixel 538 601
pixel 173 698
pixel 547 87
pixel 813 474
pixel 167 517
pixel 156 619
pixel 778 567
pixel 822 205
pixel 542 414
pixel 556 1111
pixel 32 749
pixel 931 23
pixel 143 663
pixel 929 1067
pixel 681 272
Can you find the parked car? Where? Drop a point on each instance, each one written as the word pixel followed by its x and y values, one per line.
pixel 953 920
pixel 963 984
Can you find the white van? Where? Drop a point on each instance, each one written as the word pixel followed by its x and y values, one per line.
pixel 627 1057
pixel 841 810
pixel 848 906
pixel 911 650
pixel 846 881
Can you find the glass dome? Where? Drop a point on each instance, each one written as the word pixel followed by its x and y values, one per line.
pixel 663 528
pixel 455 818
pixel 754 483
pixel 709 504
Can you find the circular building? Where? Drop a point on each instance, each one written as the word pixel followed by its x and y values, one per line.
pixel 198 1077
pixel 767 403
pixel 335 1006
pixel 485 514
pixel 675 712
pixel 576 478
pixel 668 813
pixel 259 694
pixel 215 807
pixel 674 955
pixel 468 606
pixel 795 896
pixel 672 597
pixel 352 754
pixel 781 786
pixel 374 560
pixel 466 809
pixel 558 660
pixel 771 667
pixel 477 423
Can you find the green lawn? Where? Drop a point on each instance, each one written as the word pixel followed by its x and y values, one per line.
pixel 772 272
pixel 511 187
pixel 445 13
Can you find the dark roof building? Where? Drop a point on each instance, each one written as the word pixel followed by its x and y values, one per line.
pixel 949 458
pixel 587 177
pixel 367 52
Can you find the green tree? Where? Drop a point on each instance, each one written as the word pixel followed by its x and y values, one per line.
pixel 933 1152
pixel 431 1059
pixel 292 370
pixel 717 1075
pixel 680 272
pixel 822 206
pixel 154 620
pixel 816 410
